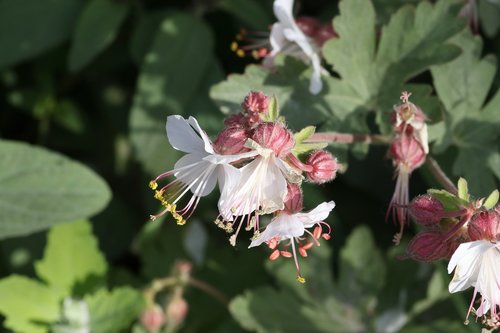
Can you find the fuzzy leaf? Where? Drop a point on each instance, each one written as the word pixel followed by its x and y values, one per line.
pixel 112 312
pixel 28 305
pixel 40 188
pixel 491 200
pixel 96 29
pixel 450 202
pixel 69 244
pixel 463 191
pixel 471 127
pixel 30 27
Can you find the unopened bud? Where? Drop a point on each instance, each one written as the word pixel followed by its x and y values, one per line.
pixel 293 198
pixel 176 311
pixel 274 136
pixel 153 318
pixel 407 152
pixel 324 33
pixel 426 210
pixel 255 102
pixel 484 225
pixel 308 25
pixel 428 246
pixel 236 120
pixel 231 141
pixel 324 166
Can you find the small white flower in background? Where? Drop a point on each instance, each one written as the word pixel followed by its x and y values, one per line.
pixel 287 38
pixel 477 264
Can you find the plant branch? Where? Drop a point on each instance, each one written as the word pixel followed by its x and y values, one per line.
pixel 209 290
pixel 440 176
pixel 334 137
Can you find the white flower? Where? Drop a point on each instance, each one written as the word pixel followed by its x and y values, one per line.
pixel 197 172
pixel 286 37
pixel 292 227
pixel 477 264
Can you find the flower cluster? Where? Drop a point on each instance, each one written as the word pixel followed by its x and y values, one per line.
pixel 258 173
pixel 408 152
pixel 468 231
pixel 301 38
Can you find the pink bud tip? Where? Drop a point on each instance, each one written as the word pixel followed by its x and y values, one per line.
pixel 426 210
pixel 428 246
pixel 308 25
pixel 324 33
pixel 484 225
pixel 324 167
pixel 153 318
pixel 255 102
pixel 231 141
pixel 293 199
pixel 236 120
pixel 274 136
pixel 176 311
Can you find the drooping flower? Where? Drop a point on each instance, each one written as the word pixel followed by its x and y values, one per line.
pixel 323 165
pixel 197 172
pixel 290 228
pixel 477 264
pixel 287 38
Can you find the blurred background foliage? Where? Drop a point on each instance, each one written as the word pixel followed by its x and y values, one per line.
pixel 85 89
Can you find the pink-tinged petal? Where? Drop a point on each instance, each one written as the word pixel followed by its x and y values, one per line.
pixel 200 175
pixel 182 136
pixel 318 214
pixel 283 227
pixel 488 279
pixel 277 39
pixel 227 159
pixel 206 140
pixel 466 262
pixel 229 179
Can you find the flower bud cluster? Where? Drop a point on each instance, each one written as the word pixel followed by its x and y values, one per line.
pixel 253 160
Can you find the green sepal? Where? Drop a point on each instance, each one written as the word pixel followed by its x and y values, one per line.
pixel 303 148
pixel 463 189
pixel 449 201
pixel 273 111
pixel 492 200
pixel 304 134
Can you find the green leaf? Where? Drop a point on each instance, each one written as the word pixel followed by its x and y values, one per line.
pixel 112 312
pixel 489 17
pixel 273 110
pixel 450 202
pixel 463 191
pixel 304 134
pixel 69 244
pixel 492 200
pixel 144 32
pixel 30 27
pixel 96 29
pixel 40 188
pixel 471 128
pixel 413 40
pixel 170 76
pixel 362 268
pixel 248 11
pixel 28 305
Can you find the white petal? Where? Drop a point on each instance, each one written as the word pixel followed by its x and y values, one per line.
pixel 316 85
pixel 197 173
pixel 229 179
pixel 466 262
pixel 423 137
pixel 284 226
pixel 488 280
pixel 277 38
pixel 208 144
pixel 227 159
pixel 182 136
pixel 318 214
pixel 283 10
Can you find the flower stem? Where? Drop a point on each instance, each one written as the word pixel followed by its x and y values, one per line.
pixel 440 176
pixel 335 137
pixel 209 290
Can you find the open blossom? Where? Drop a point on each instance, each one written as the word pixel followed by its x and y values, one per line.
pixel 290 228
pixel 477 264
pixel 197 172
pixel 287 38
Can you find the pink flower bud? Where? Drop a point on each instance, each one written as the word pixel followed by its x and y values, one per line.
pixel 274 136
pixel 293 198
pixel 255 102
pixel 153 318
pixel 426 210
pixel 236 120
pixel 484 225
pixel 231 141
pixel 428 246
pixel 176 311
pixel 324 167
pixel 324 33
pixel 407 152
pixel 308 25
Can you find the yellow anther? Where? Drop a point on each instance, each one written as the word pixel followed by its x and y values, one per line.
pixel 153 185
pixel 180 220
pixel 152 217
pixel 240 53
pixel 159 195
pixel 234 46
pixel 301 279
